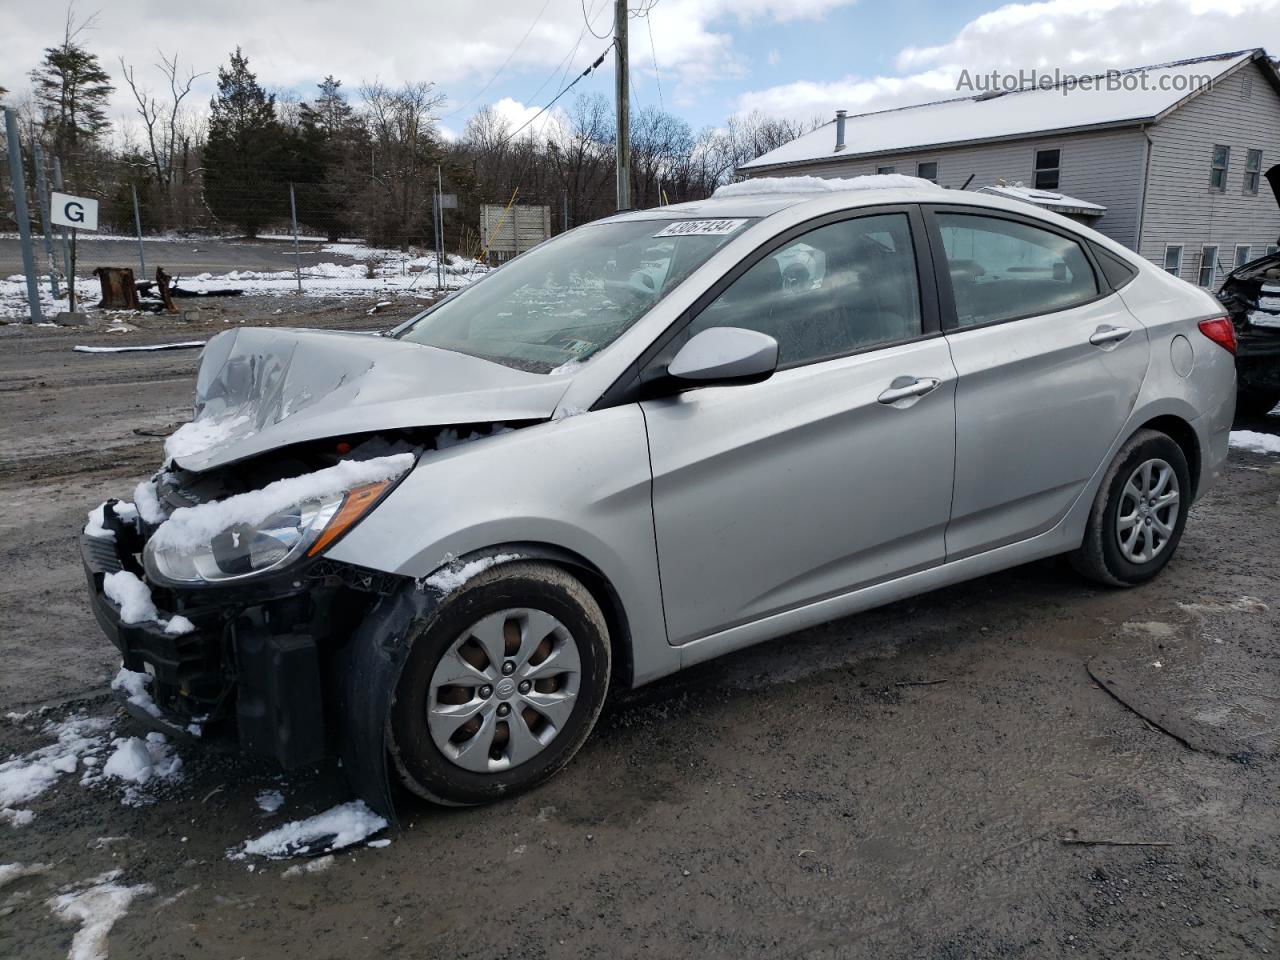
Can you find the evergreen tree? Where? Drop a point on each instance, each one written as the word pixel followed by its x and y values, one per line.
pixel 247 148
pixel 330 147
pixel 71 91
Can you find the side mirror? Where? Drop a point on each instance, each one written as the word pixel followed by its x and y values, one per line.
pixel 724 355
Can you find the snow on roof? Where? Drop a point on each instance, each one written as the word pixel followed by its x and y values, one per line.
pixel 759 186
pixel 1048 199
pixel 1128 96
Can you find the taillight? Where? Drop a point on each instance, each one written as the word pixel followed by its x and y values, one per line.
pixel 1221 332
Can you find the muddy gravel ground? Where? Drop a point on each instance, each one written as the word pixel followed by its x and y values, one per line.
pixel 926 780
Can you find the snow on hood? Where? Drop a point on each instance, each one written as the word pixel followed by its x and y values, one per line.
pixel 259 389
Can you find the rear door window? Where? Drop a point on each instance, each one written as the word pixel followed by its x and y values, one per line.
pixel 1005 269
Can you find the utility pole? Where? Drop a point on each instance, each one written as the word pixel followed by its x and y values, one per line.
pixel 622 97
pixel 19 184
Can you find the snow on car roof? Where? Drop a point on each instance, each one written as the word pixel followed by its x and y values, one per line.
pixel 771 186
pixel 1127 96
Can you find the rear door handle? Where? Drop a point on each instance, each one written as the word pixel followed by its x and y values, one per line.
pixel 905 388
pixel 1108 334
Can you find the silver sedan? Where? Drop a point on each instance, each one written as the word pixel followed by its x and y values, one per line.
pixel 652 440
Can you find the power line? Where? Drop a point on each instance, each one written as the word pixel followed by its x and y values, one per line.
pixel 653 50
pixel 496 73
pixel 596 63
pixel 587 17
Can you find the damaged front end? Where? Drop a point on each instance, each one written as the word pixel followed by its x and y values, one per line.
pixel 238 626
pixel 214 583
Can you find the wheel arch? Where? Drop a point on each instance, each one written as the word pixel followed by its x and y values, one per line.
pixel 598 585
pixel 1183 434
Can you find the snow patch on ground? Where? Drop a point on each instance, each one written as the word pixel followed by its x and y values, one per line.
pixel 136 760
pixel 1255 442
pixel 191 527
pixel 451 577
pixel 319 865
pixel 26 777
pixel 773 185
pixel 10 872
pixel 96 907
pixel 269 801
pixel 338 827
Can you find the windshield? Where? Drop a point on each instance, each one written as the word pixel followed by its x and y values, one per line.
pixel 574 295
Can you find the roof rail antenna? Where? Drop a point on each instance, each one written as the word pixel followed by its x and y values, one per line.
pixel 990 95
pixel 840 115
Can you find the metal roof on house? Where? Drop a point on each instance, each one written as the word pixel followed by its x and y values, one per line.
pixel 1048 199
pixel 1119 98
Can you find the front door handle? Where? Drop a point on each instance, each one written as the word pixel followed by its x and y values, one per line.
pixel 906 388
pixel 1108 334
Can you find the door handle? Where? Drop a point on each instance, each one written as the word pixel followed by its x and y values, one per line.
pixel 905 388
pixel 1108 334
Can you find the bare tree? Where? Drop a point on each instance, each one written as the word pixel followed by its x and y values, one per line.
pixel 162 118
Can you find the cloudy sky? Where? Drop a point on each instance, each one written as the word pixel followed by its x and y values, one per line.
pixel 702 59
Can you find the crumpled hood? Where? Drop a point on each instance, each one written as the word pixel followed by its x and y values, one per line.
pixel 262 388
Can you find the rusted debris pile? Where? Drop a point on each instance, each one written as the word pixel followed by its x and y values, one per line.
pixel 120 291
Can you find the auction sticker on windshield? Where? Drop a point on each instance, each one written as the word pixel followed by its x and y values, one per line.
pixel 700 228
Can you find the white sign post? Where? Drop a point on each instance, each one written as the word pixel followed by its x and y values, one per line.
pixel 78 213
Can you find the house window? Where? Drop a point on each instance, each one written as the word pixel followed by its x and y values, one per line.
pixel 1242 254
pixel 884 170
pixel 1208 265
pixel 1173 258
pixel 928 171
pixel 1252 170
pixel 1218 170
pixel 1047 164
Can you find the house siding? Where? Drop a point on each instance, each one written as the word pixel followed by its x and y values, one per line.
pixel 1103 167
pixel 1180 207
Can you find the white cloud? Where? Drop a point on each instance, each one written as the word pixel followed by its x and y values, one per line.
pixel 1072 35
pixel 773 58
pixel 293 44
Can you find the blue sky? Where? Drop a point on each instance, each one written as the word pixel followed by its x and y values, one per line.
pixel 796 58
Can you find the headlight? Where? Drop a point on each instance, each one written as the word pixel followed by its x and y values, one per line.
pixel 246 549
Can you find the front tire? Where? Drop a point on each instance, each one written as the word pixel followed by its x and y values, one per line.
pixel 502 687
pixel 1139 513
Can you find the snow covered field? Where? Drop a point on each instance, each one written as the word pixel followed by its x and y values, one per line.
pixel 347 269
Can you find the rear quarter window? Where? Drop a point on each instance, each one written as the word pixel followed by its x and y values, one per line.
pixel 1116 271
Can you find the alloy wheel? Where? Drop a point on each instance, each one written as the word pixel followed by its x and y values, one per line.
pixel 1148 511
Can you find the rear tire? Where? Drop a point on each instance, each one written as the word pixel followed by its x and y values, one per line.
pixel 1139 513
pixel 514 621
